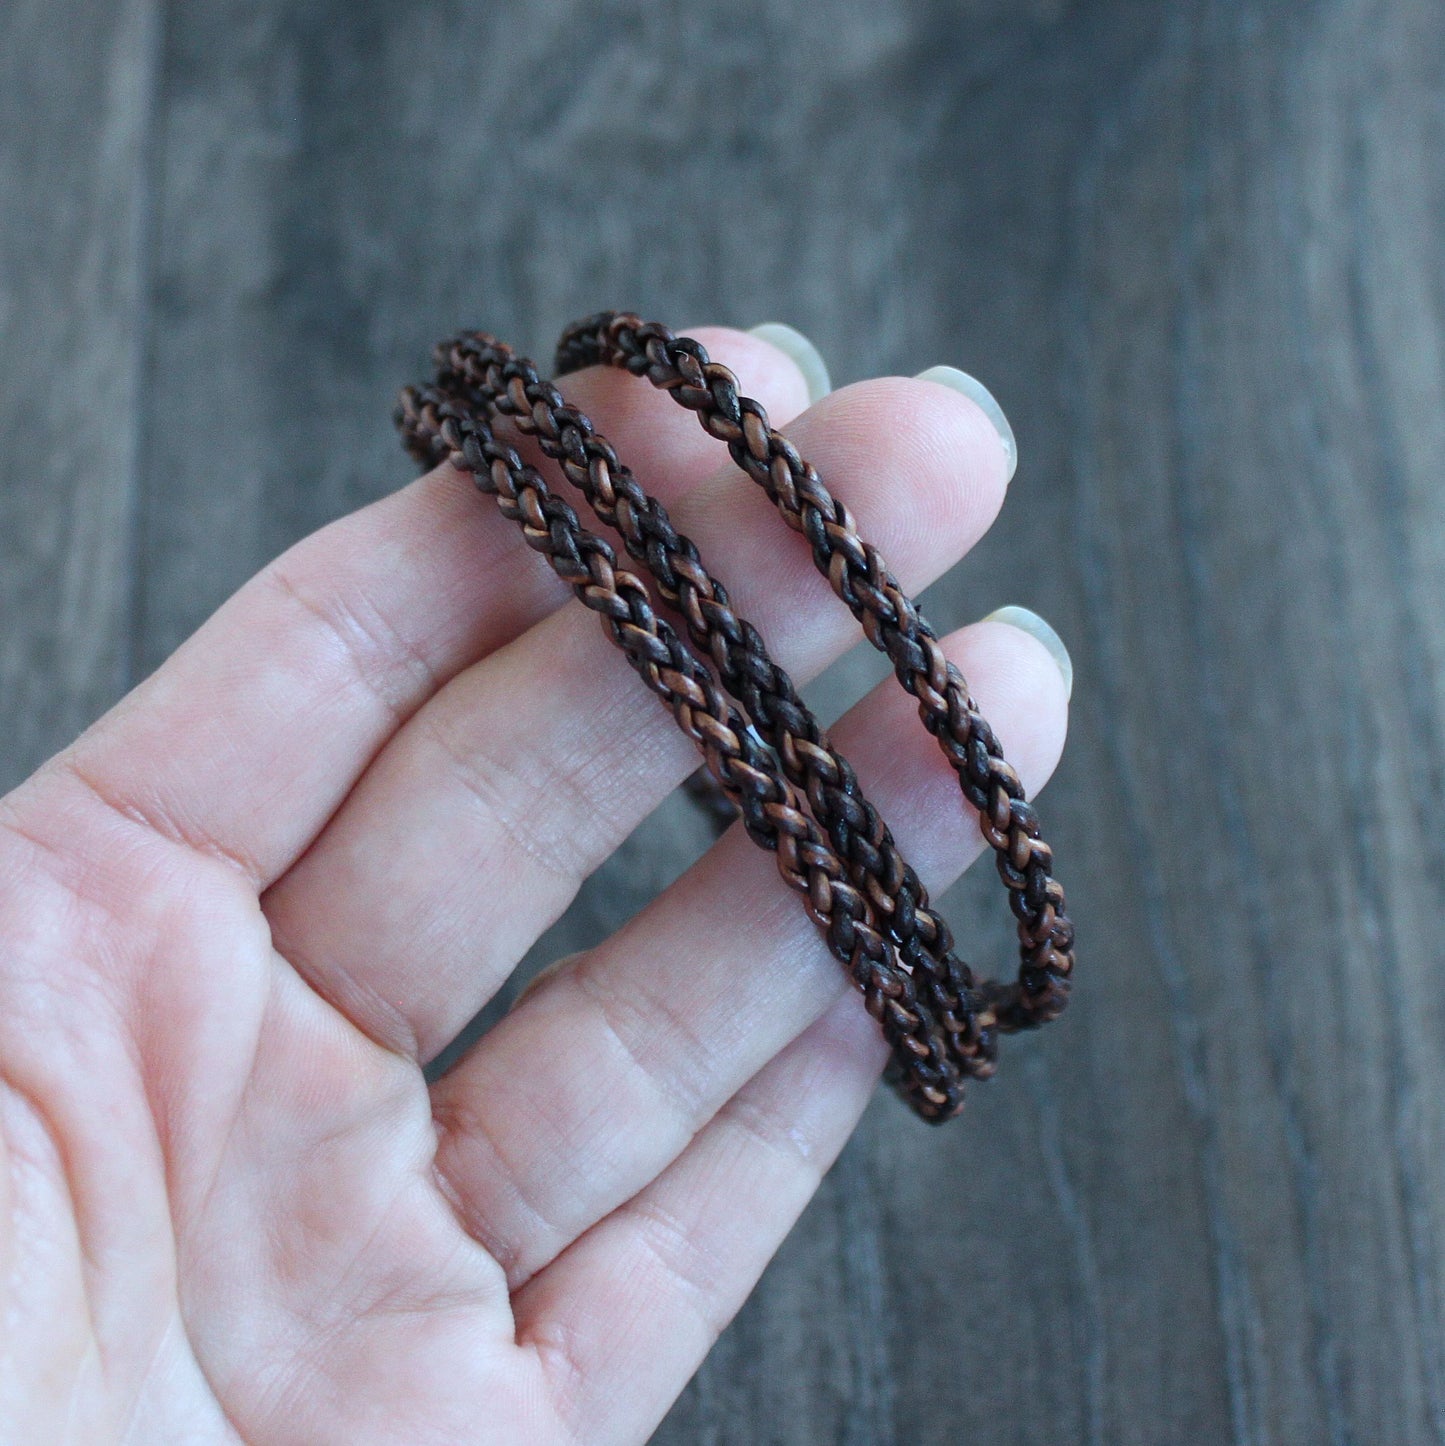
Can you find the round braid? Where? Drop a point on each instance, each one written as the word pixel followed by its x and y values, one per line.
pixel 436 428
pixel 891 622
pixel 941 1022
pixel 481 371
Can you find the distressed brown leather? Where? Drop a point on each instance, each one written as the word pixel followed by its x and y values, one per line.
pixel 764 749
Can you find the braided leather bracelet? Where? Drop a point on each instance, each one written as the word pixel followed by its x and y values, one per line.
pixel 941 1022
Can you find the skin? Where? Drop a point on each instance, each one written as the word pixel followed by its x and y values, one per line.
pixel 240 912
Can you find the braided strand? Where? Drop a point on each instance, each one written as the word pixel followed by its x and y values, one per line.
pixel 435 427
pixel 891 622
pixel 482 371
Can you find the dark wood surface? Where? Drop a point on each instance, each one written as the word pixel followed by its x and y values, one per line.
pixel 1196 249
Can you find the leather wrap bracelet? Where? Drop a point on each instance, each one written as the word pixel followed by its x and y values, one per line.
pixel 764 748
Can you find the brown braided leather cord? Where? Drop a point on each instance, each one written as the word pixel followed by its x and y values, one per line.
pixel 891 621
pixel 438 427
pixel 477 370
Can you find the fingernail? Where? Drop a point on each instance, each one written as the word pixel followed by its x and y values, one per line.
pixel 1032 624
pixel 975 391
pixel 808 358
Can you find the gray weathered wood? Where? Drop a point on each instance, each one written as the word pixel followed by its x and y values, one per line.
pixel 1196 250
pixel 74 132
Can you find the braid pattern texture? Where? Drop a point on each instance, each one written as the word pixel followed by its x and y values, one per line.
pixel 941 1022
pixel 891 622
pixel 484 372
pixel 436 428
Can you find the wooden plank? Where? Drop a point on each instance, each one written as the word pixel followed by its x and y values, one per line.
pixel 75 94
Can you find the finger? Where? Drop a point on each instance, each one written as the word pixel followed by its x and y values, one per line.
pixel 530 768
pixel 602 1075
pixel 249 736
pixel 621 1321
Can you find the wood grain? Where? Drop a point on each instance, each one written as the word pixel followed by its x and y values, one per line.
pixel 1196 251
pixel 74 135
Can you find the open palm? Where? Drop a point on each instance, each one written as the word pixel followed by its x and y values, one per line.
pixel 240 913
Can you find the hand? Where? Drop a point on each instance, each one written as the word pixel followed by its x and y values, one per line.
pixel 243 909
